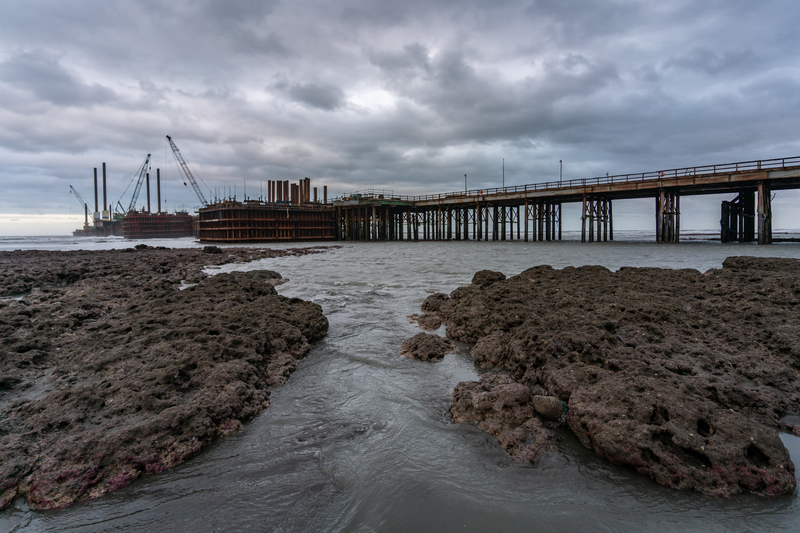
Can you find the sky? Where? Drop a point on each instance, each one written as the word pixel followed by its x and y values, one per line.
pixel 398 96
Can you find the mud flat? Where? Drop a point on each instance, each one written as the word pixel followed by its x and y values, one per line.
pixel 685 376
pixel 108 370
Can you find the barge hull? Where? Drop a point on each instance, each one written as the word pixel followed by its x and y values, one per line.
pixel 255 221
pixel 157 226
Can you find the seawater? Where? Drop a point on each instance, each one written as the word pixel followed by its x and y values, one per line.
pixel 361 440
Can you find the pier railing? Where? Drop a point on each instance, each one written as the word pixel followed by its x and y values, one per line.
pixel 703 170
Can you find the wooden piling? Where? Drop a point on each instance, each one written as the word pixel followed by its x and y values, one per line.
pixel 583 220
pixel 525 209
pixel 764 213
pixel 487 219
pixel 475 224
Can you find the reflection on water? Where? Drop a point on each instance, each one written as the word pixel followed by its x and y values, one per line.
pixel 360 439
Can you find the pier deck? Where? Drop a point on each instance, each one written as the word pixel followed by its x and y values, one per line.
pixel 495 213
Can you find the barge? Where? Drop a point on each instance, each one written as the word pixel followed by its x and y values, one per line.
pixel 288 214
pixel 145 225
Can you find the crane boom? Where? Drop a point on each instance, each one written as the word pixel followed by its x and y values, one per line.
pixel 119 210
pixel 140 179
pixel 185 167
pixel 84 204
pixel 78 196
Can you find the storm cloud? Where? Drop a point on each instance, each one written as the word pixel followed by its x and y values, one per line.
pixel 374 94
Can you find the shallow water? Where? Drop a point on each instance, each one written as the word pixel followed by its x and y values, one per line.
pixel 360 439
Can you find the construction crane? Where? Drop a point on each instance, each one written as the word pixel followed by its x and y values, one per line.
pixel 84 204
pixel 185 167
pixel 140 174
pixel 119 211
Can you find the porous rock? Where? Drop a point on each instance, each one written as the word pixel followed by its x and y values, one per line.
pixel 433 302
pixel 429 322
pixel 683 376
pixel 549 407
pixel 108 371
pixel 426 347
pixel 484 278
pixel 503 409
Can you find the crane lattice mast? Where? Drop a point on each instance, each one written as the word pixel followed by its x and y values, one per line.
pixel 85 206
pixel 140 179
pixel 185 167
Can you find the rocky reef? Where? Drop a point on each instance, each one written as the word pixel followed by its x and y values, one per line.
pixel 426 347
pixel 109 371
pixel 685 376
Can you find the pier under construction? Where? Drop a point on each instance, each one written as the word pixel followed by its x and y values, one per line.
pixel 533 212
pixel 288 213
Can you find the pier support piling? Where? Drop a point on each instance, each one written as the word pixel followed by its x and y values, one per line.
pixel 667 216
pixel 764 213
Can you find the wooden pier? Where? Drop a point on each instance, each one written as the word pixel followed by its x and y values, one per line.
pixel 533 212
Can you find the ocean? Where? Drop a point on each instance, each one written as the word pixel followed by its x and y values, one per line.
pixel 361 440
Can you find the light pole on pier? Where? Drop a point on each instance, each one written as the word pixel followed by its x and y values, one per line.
pixel 465 183
pixel 560 170
pixel 504 173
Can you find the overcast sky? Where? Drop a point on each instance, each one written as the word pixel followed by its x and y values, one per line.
pixel 404 96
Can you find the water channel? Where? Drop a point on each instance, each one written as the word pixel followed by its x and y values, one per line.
pixel 361 440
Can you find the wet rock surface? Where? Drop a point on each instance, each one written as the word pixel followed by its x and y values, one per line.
pixel 681 375
pixel 426 347
pixel 426 321
pixel 484 278
pixel 108 371
pixel 504 409
pixel 433 302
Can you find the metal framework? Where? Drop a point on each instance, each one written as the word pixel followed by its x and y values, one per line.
pixel 701 170
pixel 189 175
pixel 85 206
pixel 140 174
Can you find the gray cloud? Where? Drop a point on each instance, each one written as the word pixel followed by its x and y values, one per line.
pixel 407 63
pixel 41 75
pixel 407 96
pixel 317 95
pixel 239 11
pixel 712 63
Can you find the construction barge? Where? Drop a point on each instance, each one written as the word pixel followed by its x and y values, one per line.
pixel 145 225
pixel 289 213
pixel 105 223
pixel 101 228
pixel 133 224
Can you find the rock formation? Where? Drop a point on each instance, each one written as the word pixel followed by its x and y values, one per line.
pixel 681 375
pixel 426 347
pixel 108 371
